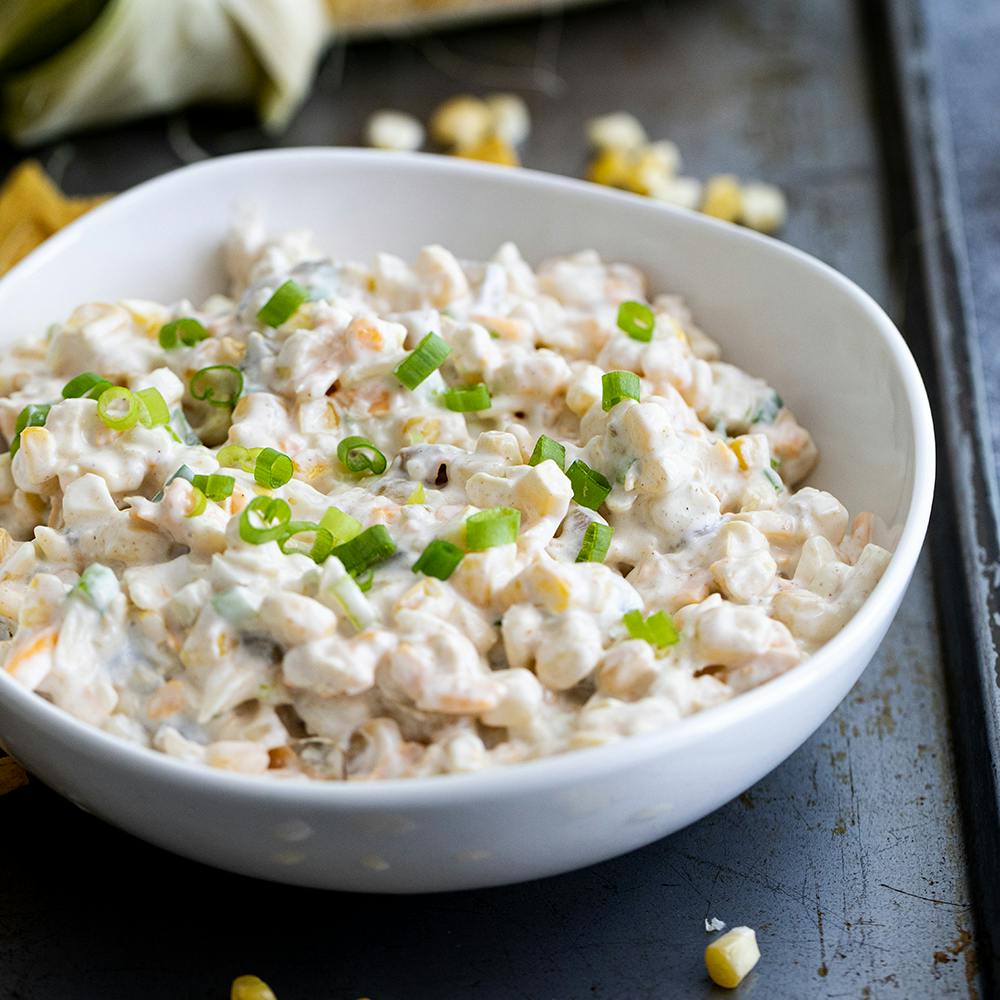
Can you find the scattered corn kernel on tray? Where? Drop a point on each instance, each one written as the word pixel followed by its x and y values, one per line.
pixel 846 870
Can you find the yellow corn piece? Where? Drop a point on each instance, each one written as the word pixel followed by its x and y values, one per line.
pixel 730 958
pixel 251 988
pixel 723 198
pixel 490 150
pixel 652 166
pixel 461 121
pixel 611 167
pixel 737 448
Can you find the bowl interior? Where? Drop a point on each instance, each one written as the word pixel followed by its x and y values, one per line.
pixel 775 312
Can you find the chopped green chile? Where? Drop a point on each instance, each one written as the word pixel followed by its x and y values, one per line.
pixel 768 409
pixel 98 585
pixel 183 472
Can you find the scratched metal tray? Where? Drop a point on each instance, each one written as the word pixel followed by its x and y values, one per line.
pixel 851 860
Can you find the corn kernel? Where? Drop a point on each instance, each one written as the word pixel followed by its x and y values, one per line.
pixel 737 447
pixel 653 166
pixel 511 120
pixel 618 130
pixel 723 198
pixel 461 121
pixel 730 957
pixel 611 167
pixel 764 207
pixel 685 192
pixel 251 988
pixel 491 150
pixel 394 130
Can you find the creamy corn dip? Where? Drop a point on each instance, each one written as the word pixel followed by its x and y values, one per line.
pixel 353 522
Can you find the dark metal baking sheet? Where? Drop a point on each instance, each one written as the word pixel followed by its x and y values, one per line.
pixel 849 859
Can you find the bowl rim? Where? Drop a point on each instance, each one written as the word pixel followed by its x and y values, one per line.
pixel 540 773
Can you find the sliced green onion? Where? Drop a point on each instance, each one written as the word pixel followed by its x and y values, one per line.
pixel 341 526
pixel 637 320
pixel 425 358
pixel 215 487
pixel 198 502
pixel 439 559
pixel 596 542
pixel 234 456
pixel 182 473
pixel 154 411
pixel 98 585
pixel 264 519
pixel 419 495
pixel 272 468
pixel 616 386
pixel 496 526
pixel 283 304
pixel 83 384
pixel 774 479
pixel 358 454
pixel 467 399
pixel 320 548
pixel 658 629
pixel 372 546
pixel 217 385
pixel 590 488
pixel 186 331
pixel 546 449
pixel 661 630
pixel 33 415
pixel 348 595
pixel 237 604
pixel 115 418
pixel 365 580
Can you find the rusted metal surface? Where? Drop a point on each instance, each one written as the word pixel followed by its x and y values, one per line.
pixel 848 859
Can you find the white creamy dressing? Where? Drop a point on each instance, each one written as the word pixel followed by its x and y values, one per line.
pixel 212 649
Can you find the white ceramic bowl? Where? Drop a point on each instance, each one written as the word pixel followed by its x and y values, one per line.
pixel 835 356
